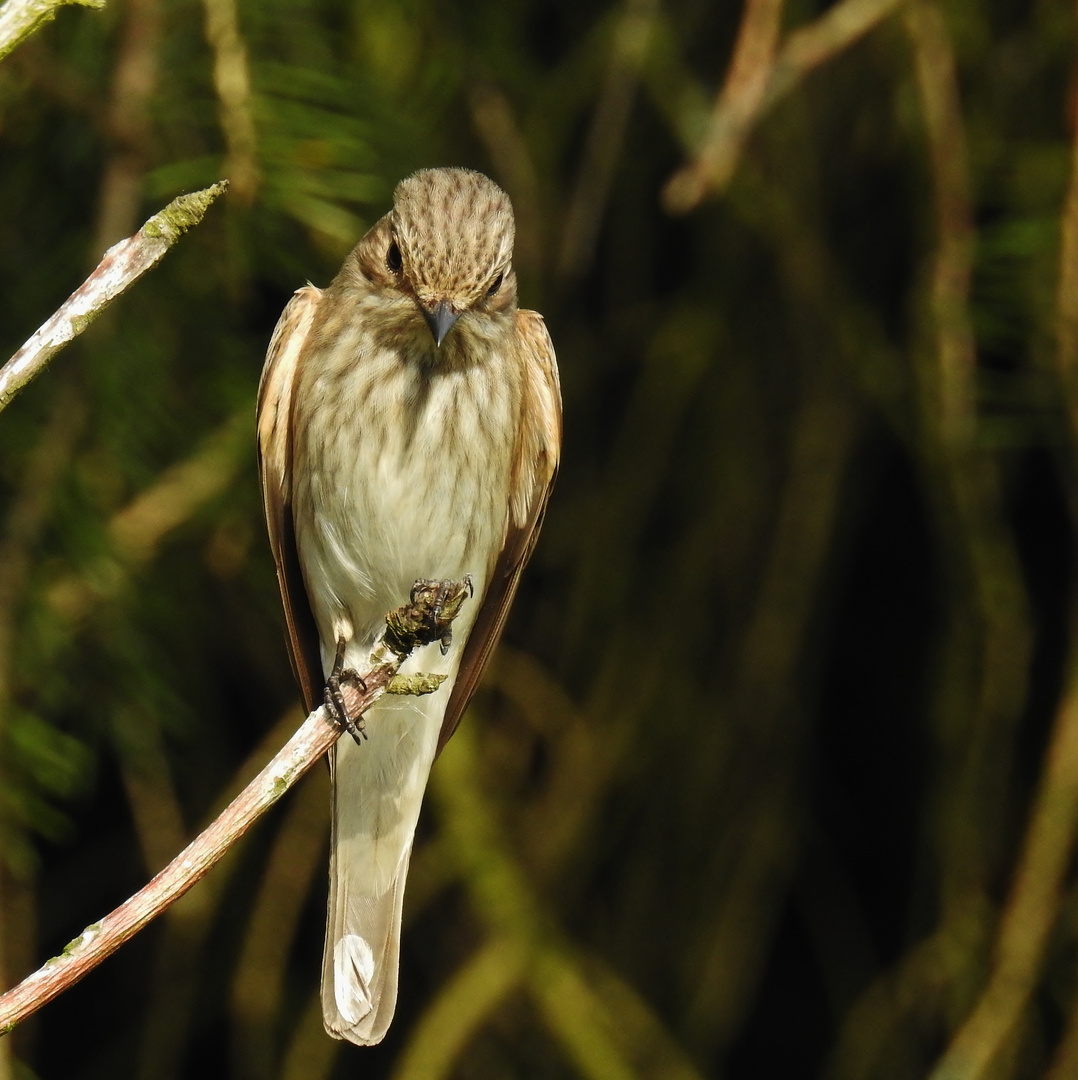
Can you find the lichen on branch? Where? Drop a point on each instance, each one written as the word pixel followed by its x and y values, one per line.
pixel 121 266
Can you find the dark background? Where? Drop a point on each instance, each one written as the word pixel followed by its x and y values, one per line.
pixel 746 791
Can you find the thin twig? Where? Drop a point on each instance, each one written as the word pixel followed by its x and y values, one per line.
pixel 1067 294
pixel 232 81
pixel 123 264
pixel 498 130
pixel 136 530
pixel 187 925
pixel 994 620
pixel 1065 1062
pixel 632 36
pixel 20 18
pixel 424 620
pixel 970 486
pixel 524 952
pixel 937 82
pixel 741 102
pixel 735 108
pixel 1055 840
pixel 1032 907
pixel 128 127
pixel 258 986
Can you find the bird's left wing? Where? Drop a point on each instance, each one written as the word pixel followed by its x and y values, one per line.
pixel 275 474
pixel 534 469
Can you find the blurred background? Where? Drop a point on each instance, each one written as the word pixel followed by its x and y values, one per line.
pixel 776 773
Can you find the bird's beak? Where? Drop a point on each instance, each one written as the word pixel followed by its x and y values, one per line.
pixel 440 320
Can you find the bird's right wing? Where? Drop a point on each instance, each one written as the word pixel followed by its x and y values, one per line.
pixel 535 466
pixel 275 474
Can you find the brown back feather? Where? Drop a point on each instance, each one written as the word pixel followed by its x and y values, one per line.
pixel 535 469
pixel 274 419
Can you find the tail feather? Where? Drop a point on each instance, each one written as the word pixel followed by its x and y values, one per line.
pixel 359 973
pixel 377 793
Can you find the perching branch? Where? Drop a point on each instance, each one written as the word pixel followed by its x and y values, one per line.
pixel 427 618
pixel 20 18
pixel 123 264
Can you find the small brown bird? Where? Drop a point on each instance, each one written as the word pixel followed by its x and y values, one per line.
pixel 409 425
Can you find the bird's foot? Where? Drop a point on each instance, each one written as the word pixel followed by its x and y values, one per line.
pixel 335 705
pixel 429 617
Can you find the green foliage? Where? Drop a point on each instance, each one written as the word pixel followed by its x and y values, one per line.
pixel 747 788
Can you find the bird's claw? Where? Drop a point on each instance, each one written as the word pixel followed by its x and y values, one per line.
pixel 334 698
pixel 429 616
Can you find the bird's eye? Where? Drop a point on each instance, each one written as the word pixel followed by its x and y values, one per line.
pixel 495 285
pixel 393 258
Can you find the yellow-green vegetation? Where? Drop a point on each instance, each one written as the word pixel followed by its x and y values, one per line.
pixel 776 772
pixel 419 683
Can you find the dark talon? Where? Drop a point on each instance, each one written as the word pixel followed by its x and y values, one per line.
pixel 335 705
pixel 434 605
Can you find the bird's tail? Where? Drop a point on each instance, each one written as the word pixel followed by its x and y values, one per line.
pixel 377 792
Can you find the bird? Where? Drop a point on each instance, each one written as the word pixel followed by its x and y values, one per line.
pixel 409 427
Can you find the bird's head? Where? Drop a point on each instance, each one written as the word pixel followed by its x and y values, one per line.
pixel 447 245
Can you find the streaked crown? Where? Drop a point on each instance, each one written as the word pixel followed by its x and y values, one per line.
pixel 455 231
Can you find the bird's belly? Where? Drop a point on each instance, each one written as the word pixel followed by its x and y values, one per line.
pixel 421 496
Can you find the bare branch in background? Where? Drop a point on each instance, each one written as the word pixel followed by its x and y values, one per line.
pixel 138 529
pixel 496 126
pixel 1036 893
pixel 735 108
pixel 417 623
pixel 988 555
pixel 731 952
pixel 1067 292
pixel 953 262
pixel 297 858
pixel 187 924
pixel 606 137
pixel 1065 1064
pixel 992 631
pixel 128 130
pixel 20 18
pixel 232 81
pixel 122 266
pixel 584 1010
pixel 1032 907
pixel 757 79
pixel 29 513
